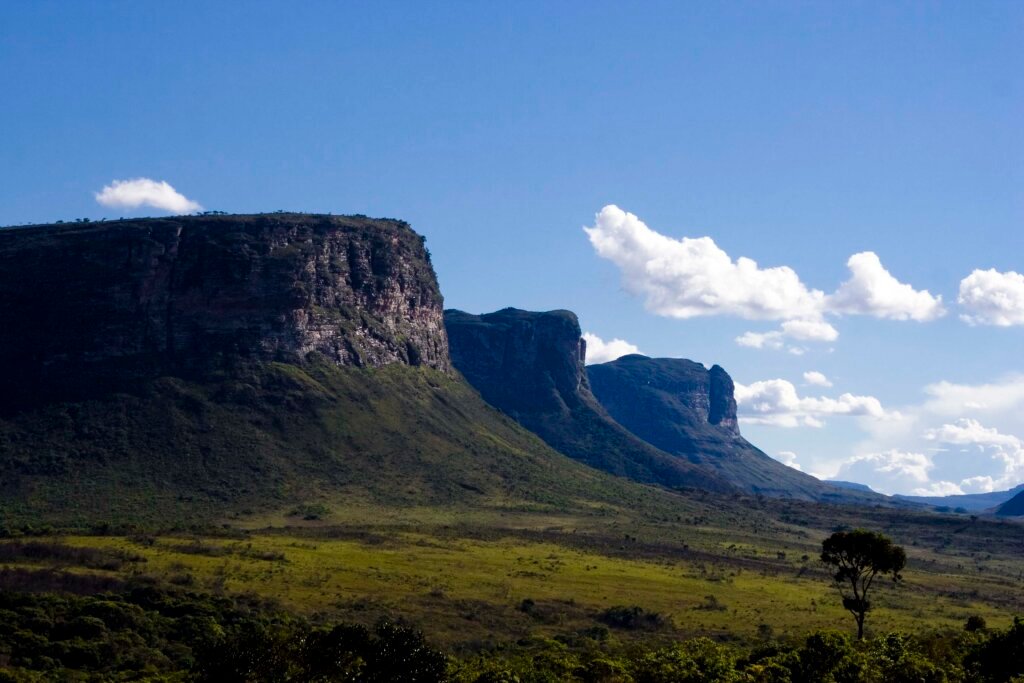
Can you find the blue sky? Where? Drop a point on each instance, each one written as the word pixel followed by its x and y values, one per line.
pixel 794 134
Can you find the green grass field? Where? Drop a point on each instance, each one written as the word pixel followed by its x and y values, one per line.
pixel 464 578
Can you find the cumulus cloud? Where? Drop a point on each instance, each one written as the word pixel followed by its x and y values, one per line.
pixel 872 290
pixel 803 330
pixel 1002 454
pixel 132 194
pixel 788 458
pixel 810 330
pixel 989 297
pixel 761 340
pixel 967 431
pixel 817 379
pixel 601 351
pixel 776 402
pixel 980 484
pixel 891 471
pixel 939 488
pixel 692 277
pixel 953 399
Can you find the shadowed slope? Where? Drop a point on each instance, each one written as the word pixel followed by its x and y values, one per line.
pixel 530 366
pixel 272 436
pixel 689 411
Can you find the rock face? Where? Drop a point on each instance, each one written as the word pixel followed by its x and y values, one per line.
pixel 686 410
pixel 531 366
pixel 91 304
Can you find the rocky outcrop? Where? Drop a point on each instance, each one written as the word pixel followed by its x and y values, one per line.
pixel 689 411
pixel 92 305
pixel 531 366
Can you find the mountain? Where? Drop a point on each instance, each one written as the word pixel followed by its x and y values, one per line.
pixel 689 411
pixel 97 306
pixel 530 365
pixel 852 485
pixel 972 502
pixel 185 370
pixel 1013 507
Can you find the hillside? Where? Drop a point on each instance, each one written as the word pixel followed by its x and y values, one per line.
pixel 689 411
pixel 1013 507
pixel 530 365
pixel 177 371
pixel 280 436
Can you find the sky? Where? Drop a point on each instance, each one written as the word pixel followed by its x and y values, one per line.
pixel 827 199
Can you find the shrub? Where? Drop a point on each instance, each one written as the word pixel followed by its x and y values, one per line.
pixel 632 618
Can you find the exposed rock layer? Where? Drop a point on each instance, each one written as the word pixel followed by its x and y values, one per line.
pixel 531 366
pixel 97 304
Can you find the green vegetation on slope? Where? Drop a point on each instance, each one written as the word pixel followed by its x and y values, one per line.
pixel 272 436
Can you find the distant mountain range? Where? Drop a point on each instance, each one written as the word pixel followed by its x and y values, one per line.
pixel 972 502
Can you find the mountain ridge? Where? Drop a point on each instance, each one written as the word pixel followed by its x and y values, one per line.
pixel 688 410
pixel 530 365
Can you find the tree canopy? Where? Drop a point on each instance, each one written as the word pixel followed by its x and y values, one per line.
pixel 857 558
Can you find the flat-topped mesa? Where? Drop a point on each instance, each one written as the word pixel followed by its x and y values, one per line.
pixel 531 366
pixel 82 304
pixel 682 393
pixel 689 411
pixel 520 361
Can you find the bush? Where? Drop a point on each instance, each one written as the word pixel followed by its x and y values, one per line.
pixel 633 618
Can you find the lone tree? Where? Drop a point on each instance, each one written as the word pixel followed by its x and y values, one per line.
pixel 857 557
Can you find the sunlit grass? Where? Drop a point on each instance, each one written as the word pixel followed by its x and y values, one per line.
pixel 466 589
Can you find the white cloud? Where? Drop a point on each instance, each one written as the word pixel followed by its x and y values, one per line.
pixel 788 458
pixel 939 488
pixel 979 484
pixel 810 330
pixel 760 340
pixel 891 471
pixel 992 298
pixel 872 290
pixel 776 402
pixel 951 399
pixel 968 431
pixel 601 351
pixel 817 379
pixel 803 330
pixel 691 277
pixel 131 194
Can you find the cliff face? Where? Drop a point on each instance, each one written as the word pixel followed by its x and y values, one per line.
pixel 105 303
pixel 531 366
pixel 689 411
pixel 666 398
pixel 522 362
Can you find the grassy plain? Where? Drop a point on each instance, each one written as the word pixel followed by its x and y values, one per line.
pixel 478 580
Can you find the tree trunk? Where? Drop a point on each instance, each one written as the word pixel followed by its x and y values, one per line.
pixel 860 627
